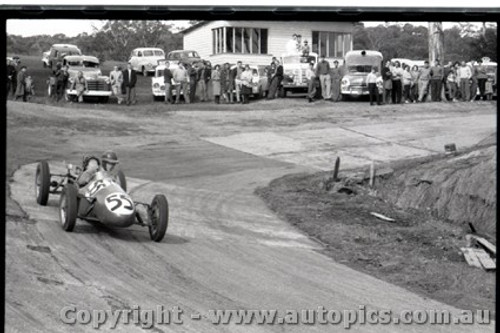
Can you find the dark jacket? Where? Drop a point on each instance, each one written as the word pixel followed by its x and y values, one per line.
pixel 167 76
pixel 279 72
pixel 129 81
pixel 11 71
pixel 204 74
pixel 386 73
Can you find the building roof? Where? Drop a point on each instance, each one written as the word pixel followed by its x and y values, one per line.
pixel 194 27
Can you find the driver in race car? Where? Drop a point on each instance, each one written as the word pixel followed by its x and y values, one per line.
pixel 91 165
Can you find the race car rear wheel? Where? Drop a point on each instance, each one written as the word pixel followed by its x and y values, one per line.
pixel 158 217
pixel 68 207
pixel 42 183
pixel 122 181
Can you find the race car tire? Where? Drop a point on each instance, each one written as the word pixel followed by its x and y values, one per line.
pixel 158 218
pixel 42 183
pixel 68 207
pixel 122 181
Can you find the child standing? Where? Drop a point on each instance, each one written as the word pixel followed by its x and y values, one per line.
pixel 371 81
pixel 488 88
pixel 407 82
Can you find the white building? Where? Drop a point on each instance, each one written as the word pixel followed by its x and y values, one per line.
pixel 256 42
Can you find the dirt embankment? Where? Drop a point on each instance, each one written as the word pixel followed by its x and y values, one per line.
pixel 429 200
pixel 460 188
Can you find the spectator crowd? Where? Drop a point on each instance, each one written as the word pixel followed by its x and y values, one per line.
pixel 198 81
pixel 459 81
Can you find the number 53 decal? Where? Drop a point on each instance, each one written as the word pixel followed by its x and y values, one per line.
pixel 119 204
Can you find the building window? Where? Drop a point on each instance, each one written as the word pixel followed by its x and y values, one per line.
pixel 331 44
pixel 239 40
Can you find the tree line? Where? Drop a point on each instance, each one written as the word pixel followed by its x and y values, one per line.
pixel 117 38
pixel 113 41
pixel 461 42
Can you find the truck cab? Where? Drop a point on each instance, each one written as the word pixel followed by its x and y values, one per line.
pixel 294 71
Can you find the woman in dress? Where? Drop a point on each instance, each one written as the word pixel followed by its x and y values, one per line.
pixel 226 83
pixel 216 85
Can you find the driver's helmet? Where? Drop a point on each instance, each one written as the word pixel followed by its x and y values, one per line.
pixel 109 160
pixel 86 160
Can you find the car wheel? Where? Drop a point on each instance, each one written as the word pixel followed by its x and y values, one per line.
pixel 122 181
pixel 68 207
pixel 42 183
pixel 158 218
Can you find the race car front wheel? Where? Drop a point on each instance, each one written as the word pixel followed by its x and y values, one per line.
pixel 158 218
pixel 68 207
pixel 42 183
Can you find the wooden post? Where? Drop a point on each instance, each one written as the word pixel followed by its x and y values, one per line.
pixel 372 174
pixel 336 169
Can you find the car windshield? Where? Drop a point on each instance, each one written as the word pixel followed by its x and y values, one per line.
pixel 295 59
pixel 190 54
pixel 82 63
pixel 359 69
pixel 74 63
pixel 159 53
pixel 491 68
pixel 90 64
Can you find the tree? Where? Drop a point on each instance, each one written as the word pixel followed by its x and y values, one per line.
pixel 436 42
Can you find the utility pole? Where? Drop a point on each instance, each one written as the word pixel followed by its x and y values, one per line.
pixel 436 42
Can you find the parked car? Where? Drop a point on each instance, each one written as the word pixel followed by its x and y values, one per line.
pixel 185 56
pixel 45 59
pixel 59 51
pixel 409 62
pixel 294 71
pixel 145 59
pixel 15 59
pixel 157 82
pixel 98 84
pixel 357 65
pixel 258 80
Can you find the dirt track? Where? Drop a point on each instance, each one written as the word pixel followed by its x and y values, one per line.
pixel 224 249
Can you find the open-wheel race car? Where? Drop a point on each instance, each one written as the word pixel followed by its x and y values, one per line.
pixel 104 199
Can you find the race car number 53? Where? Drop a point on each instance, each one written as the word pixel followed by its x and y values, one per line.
pixel 119 204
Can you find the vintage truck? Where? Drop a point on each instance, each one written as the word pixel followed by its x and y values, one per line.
pixel 294 71
pixel 357 65
pixel 99 86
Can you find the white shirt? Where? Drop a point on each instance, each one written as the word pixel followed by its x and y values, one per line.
pixel 371 78
pixel 291 46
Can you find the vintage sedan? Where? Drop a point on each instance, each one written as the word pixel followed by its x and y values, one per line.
pixel 145 59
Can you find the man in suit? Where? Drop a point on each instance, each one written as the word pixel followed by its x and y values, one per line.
pixel 129 81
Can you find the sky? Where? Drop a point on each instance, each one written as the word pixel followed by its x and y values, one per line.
pixel 74 27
